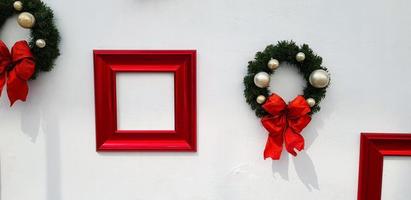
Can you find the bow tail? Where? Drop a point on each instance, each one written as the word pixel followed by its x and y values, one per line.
pixel 293 141
pixel 292 136
pixel 273 147
pixel 5 61
pixel 275 127
pixel 17 89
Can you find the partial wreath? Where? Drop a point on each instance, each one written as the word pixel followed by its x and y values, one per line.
pixel 26 59
pixel 283 121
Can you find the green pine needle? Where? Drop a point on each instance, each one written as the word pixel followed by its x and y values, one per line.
pixel 284 51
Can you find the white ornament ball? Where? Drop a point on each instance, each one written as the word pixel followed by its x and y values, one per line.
pixel 311 102
pixel 40 43
pixel 300 56
pixel 262 79
pixel 26 20
pixel 260 99
pixel 319 78
pixel 273 64
pixel 18 5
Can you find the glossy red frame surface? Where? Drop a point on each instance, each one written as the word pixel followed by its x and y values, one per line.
pixel 372 151
pixel 180 62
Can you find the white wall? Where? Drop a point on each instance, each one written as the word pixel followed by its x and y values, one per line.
pixel 47 145
pixel 396 179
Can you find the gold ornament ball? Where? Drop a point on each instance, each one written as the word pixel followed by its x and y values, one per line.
pixel 18 5
pixel 319 78
pixel 40 43
pixel 311 102
pixel 300 56
pixel 273 64
pixel 26 20
pixel 262 79
pixel 260 99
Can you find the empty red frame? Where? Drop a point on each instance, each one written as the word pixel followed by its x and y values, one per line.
pixel 180 62
pixel 373 149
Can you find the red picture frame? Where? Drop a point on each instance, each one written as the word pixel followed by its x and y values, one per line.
pixel 180 62
pixel 373 148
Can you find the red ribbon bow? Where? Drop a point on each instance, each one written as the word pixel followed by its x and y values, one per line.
pixel 284 125
pixel 17 66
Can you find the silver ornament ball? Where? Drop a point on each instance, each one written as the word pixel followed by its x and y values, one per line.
pixel 300 56
pixel 273 64
pixel 40 43
pixel 319 78
pixel 260 99
pixel 18 5
pixel 26 20
pixel 311 102
pixel 262 79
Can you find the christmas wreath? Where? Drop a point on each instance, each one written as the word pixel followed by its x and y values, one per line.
pixel 27 59
pixel 284 122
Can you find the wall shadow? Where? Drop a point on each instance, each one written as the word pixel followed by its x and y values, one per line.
pixel 305 169
pixel 39 115
pixel 280 167
pixel 303 164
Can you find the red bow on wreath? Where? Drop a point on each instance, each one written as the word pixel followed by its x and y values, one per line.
pixel 284 125
pixel 17 66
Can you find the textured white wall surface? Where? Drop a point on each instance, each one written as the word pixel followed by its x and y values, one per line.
pixel 47 145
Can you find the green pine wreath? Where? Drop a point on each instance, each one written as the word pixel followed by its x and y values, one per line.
pixel 44 30
pixel 284 51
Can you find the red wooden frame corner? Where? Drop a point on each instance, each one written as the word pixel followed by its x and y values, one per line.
pixel 372 151
pixel 182 63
